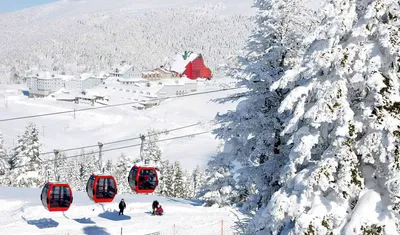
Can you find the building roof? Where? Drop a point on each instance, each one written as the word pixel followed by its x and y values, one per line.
pixel 172 82
pixel 120 69
pixel 180 62
pixel 132 80
pixel 85 76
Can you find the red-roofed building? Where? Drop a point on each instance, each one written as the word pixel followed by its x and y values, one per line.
pixel 191 65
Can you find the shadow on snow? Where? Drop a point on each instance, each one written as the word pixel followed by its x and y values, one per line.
pixel 113 215
pixel 185 201
pixel 95 230
pixel 85 221
pixel 42 223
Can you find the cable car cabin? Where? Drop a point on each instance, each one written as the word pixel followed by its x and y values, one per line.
pixel 143 179
pixel 56 197
pixel 101 188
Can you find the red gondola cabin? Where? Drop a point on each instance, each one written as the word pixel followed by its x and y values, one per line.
pixel 143 179
pixel 101 188
pixel 56 197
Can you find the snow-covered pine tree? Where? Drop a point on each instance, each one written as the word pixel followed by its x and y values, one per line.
pixel 25 162
pixel 220 187
pixel 189 185
pixel 151 151
pixel 73 176
pixel 61 165
pixel 198 179
pixel 4 166
pixel 88 165
pixel 109 167
pixel 162 180
pixel 344 128
pixel 169 179
pixel 179 181
pixel 121 172
pixel 255 148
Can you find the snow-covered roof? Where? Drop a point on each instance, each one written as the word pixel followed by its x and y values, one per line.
pixel 180 63
pixel 164 70
pixel 132 80
pixel 85 76
pixel 149 72
pixel 122 68
pixel 67 77
pixel 50 76
pixel 170 82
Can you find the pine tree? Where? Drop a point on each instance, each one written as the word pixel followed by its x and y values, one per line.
pixel 88 165
pixel 188 185
pixel 109 168
pixel 73 177
pixel 162 171
pixel 343 128
pixel 151 151
pixel 4 167
pixel 198 178
pixel 121 173
pixel 25 162
pixel 179 181
pixel 169 179
pixel 247 171
pixel 62 166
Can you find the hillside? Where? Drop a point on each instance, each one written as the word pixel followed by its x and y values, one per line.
pixel 21 212
pixel 117 123
pixel 92 35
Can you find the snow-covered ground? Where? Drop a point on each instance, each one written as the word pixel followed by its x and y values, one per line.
pixel 116 123
pixel 21 212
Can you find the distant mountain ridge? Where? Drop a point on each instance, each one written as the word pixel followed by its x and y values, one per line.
pixel 90 35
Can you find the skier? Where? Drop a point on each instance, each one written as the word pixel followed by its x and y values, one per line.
pixel 122 206
pixel 155 206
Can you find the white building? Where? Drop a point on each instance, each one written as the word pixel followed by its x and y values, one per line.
pixel 43 84
pixel 176 87
pixel 88 81
pixel 125 71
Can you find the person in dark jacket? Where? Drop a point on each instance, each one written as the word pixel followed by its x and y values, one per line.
pixel 155 206
pixel 122 206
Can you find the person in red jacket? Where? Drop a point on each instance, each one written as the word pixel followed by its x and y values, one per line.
pixel 159 210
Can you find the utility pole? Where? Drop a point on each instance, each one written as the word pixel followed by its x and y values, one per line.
pixel 43 130
pixel 74 113
pixel 6 100
pixel 56 152
pixel 142 138
pixel 100 157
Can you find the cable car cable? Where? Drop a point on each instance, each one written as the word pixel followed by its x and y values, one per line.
pixel 129 139
pixel 115 105
pixel 113 149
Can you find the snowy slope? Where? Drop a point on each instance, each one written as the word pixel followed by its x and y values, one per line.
pixel 21 212
pixel 92 35
pixel 116 123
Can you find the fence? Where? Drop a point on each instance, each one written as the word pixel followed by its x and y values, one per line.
pixel 217 228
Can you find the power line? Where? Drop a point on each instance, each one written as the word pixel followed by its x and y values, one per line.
pixel 115 105
pixel 118 148
pixel 129 139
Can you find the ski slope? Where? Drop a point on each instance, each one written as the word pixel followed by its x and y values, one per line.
pixel 21 212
